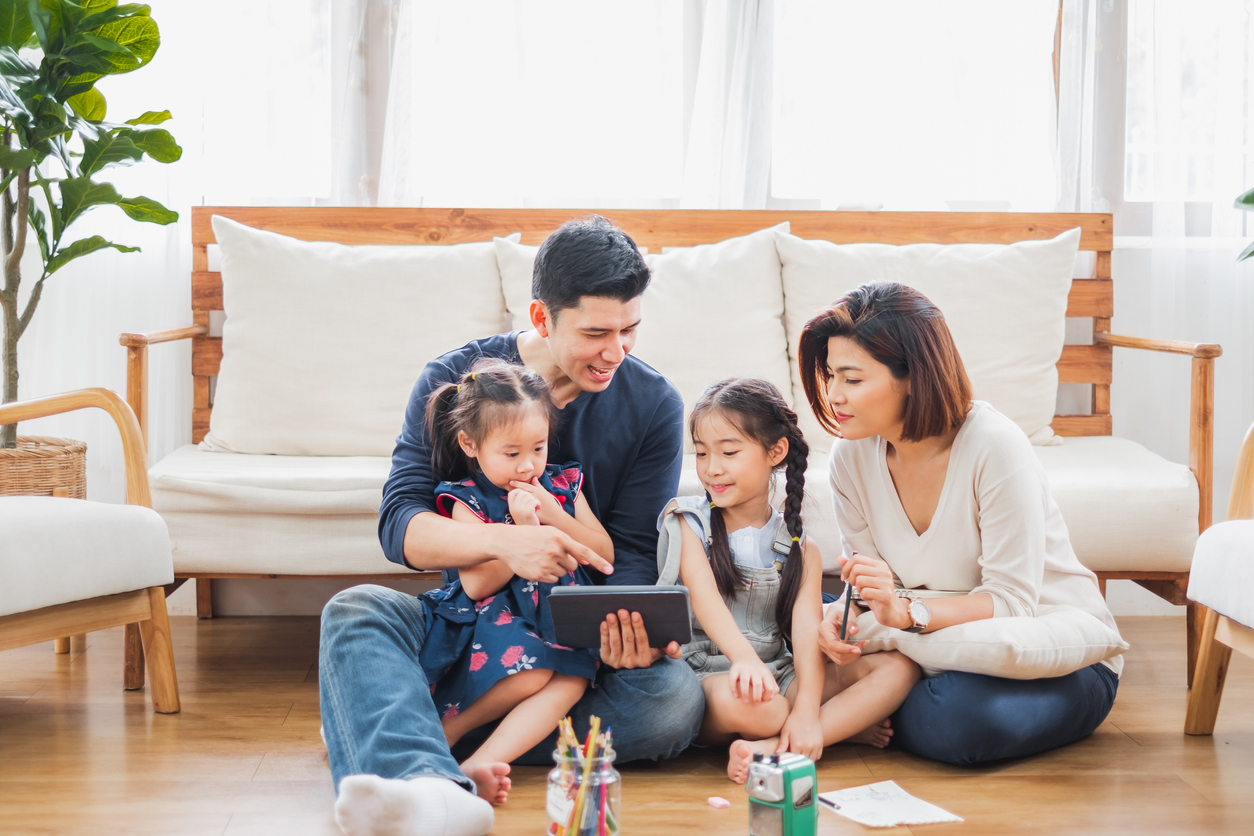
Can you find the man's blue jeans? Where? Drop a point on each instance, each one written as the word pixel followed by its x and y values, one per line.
pixel 379 718
pixel 967 718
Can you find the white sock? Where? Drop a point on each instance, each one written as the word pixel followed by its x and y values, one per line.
pixel 372 806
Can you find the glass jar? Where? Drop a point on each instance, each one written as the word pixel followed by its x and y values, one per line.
pixel 576 810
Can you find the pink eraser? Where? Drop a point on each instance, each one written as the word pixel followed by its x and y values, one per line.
pixel 720 803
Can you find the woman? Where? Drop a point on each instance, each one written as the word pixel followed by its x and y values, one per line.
pixel 936 491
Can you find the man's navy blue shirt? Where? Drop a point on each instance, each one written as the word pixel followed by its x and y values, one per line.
pixel 628 438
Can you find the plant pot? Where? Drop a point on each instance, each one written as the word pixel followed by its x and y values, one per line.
pixel 43 466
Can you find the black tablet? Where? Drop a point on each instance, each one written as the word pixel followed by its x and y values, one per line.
pixel 579 610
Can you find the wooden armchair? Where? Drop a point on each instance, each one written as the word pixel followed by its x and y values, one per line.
pixel 73 566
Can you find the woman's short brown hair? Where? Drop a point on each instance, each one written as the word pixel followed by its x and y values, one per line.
pixel 901 328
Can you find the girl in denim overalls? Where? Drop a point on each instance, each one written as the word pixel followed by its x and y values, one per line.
pixel 760 585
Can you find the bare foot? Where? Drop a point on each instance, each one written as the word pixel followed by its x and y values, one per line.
pixel 877 735
pixel 492 781
pixel 740 755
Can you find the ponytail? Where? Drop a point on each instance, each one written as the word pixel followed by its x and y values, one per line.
pixel 794 492
pixel 727 574
pixel 448 460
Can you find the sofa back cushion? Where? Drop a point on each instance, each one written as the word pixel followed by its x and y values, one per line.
pixel 710 312
pixel 1005 304
pixel 331 376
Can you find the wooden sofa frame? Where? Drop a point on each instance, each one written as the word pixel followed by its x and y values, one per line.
pixel 655 229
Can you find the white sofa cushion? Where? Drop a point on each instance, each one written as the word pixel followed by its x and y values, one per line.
pixel 1005 305
pixel 1223 570
pixel 295 515
pixel 1058 641
pixel 710 312
pixel 1125 507
pixel 331 376
pixel 55 550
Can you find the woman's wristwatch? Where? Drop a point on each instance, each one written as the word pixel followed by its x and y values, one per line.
pixel 920 615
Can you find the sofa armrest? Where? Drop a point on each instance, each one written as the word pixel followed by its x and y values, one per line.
pixel 137 368
pixel 137 492
pixel 1201 410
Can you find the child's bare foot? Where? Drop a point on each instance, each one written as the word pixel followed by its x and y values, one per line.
pixel 740 755
pixel 877 735
pixel 492 782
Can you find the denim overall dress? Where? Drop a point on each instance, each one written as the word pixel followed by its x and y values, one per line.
pixel 755 552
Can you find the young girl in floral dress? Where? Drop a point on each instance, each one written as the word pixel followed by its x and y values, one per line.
pixel 490 648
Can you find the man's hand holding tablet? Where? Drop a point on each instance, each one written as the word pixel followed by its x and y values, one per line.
pixel 615 619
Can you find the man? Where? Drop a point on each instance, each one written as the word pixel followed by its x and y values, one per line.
pixel 624 423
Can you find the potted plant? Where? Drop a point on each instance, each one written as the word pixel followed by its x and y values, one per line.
pixel 54 143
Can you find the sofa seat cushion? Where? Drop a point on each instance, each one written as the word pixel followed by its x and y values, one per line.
pixel 1223 570
pixel 56 550
pixel 1125 507
pixel 290 515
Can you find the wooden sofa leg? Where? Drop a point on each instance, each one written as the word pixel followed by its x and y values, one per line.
pixel 1194 617
pixel 159 652
pixel 61 645
pixel 1208 685
pixel 132 658
pixel 204 598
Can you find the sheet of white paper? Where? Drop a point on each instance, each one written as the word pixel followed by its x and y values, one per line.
pixel 883 805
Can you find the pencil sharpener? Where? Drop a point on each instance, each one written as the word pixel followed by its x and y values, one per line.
pixel 782 794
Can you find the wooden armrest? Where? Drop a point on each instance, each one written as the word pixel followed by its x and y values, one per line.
pixel 1242 497
pixel 137 492
pixel 1200 350
pixel 137 368
pixel 1201 409
pixel 137 340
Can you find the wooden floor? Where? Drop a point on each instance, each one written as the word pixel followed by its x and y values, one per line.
pixel 79 755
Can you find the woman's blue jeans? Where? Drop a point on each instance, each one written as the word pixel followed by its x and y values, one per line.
pixel 967 718
pixel 379 718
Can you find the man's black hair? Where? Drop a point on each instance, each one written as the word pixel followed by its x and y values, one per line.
pixel 587 257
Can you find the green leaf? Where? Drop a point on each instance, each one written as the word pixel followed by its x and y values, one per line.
pixel 1247 252
pixel 158 144
pixel 139 35
pixel 15 25
pixel 108 150
pixel 148 210
pixel 152 117
pixel 1245 201
pixel 15 68
pixel 39 224
pixel 45 21
pixel 108 12
pixel 15 158
pixel 80 248
pixel 78 194
pixel 90 105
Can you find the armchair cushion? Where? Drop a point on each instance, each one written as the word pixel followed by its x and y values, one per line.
pixel 1223 570
pixel 57 550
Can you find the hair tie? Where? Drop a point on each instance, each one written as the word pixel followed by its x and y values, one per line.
pixel 712 506
pixel 796 539
pixel 472 375
pixel 459 387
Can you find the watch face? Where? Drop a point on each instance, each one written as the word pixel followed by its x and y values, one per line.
pixel 920 613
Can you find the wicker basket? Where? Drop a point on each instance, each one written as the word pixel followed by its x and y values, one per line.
pixel 39 465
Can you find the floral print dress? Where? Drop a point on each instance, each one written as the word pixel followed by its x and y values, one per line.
pixel 471 645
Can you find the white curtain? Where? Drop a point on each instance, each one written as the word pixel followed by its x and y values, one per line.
pixel 728 58
pixel 1156 125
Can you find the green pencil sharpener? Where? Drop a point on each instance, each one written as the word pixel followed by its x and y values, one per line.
pixel 782 792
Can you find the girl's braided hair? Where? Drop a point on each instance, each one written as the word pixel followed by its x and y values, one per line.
pixel 756 408
pixel 489 394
